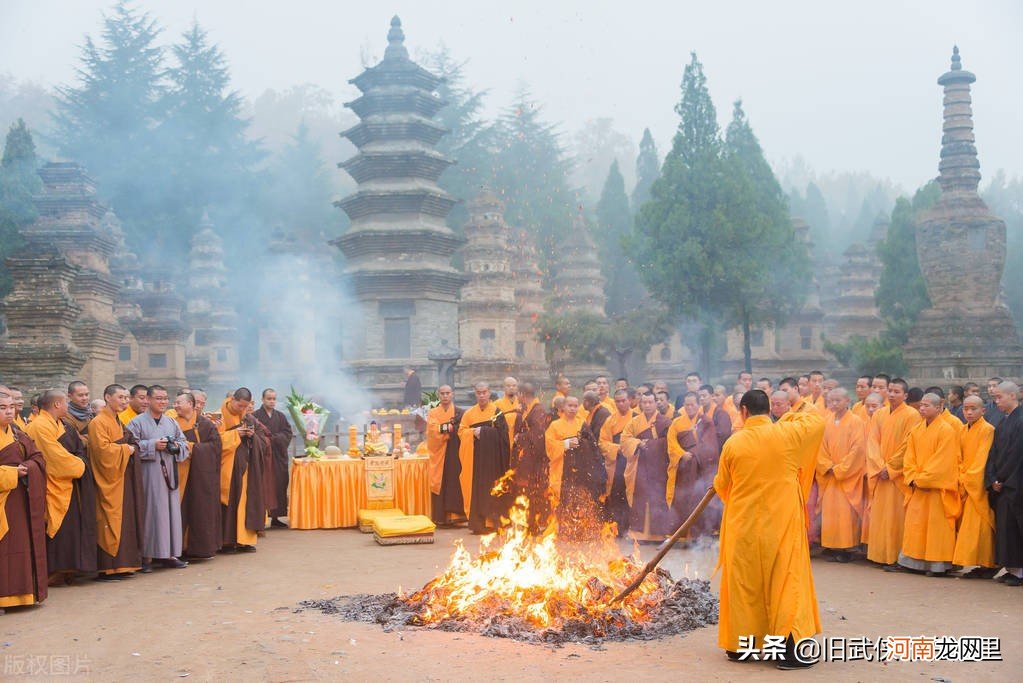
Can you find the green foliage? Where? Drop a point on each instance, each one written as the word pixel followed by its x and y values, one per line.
pixel 869 356
pixel 591 338
pixel 594 148
pixel 815 213
pixel 648 168
pixel 18 182
pixel 1005 198
pixel 614 220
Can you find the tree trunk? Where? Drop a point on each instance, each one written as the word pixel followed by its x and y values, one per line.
pixel 622 358
pixel 747 354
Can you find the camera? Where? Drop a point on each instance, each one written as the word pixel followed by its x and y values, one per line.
pixel 172 447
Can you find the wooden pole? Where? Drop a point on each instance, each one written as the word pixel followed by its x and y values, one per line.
pixel 666 546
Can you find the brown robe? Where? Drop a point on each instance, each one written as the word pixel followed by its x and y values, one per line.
pixel 280 440
pixel 491 456
pixel 529 460
pixel 449 501
pixel 23 569
pixel 200 493
pixel 695 475
pixel 73 547
pixel 269 478
pixel 650 494
pixel 583 481
pixel 250 457
pixel 128 554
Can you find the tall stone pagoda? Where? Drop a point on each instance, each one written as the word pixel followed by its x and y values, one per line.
pixel 126 269
pixel 160 334
pixel 578 283
pixel 530 352
pixel 967 333
pixel 70 221
pixel 398 248
pixel 853 310
pixel 486 313
pixel 212 350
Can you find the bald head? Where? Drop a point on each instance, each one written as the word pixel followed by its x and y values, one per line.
pixel 780 403
pixel 527 391
pixel 838 402
pixel 1006 396
pixel 930 406
pixel 590 399
pixel 973 408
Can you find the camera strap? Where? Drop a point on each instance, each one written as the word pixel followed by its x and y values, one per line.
pixel 172 482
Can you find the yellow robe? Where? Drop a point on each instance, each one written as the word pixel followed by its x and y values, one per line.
pixel 62 468
pixel 127 415
pixel 729 407
pixel 975 542
pixel 844 452
pixel 554 440
pixel 467 445
pixel 229 442
pixel 509 408
pixel 859 409
pixel 887 498
pixel 612 427
pixel 109 461
pixel 8 480
pixel 437 443
pixel 766 582
pixel 20 421
pixel 609 403
pixel 680 424
pixel 932 470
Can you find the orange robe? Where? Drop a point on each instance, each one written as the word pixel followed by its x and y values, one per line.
pixel 975 542
pixel 229 442
pixel 613 426
pixel 931 469
pixel 733 413
pixel 62 468
pixel 554 440
pixel 886 449
pixel 844 453
pixel 766 582
pixel 127 415
pixel 466 447
pixel 110 470
pixel 859 409
pixel 682 423
pixel 510 408
pixel 437 443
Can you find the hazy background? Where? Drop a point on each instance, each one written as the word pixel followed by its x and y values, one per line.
pixel 850 88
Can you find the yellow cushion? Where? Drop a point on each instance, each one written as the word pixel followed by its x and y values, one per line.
pixel 366 517
pixel 409 525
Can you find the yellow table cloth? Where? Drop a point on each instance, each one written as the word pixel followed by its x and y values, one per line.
pixel 328 494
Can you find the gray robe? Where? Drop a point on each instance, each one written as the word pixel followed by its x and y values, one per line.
pixel 162 531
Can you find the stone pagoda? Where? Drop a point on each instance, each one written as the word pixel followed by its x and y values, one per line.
pixel 486 313
pixel 160 335
pixel 529 296
pixel 398 248
pixel 853 310
pixel 967 334
pixel 212 351
pixel 70 226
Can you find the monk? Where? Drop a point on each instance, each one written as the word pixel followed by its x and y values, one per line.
pixel 745 380
pixel 576 476
pixel 280 441
pixel 19 406
pixel 663 403
pixel 113 454
pixel 693 455
pixel 562 386
pixel 946 413
pixel 63 472
pixel 509 405
pixel 862 389
pixel 880 384
pixel 975 540
pixel 241 474
pixel 1003 478
pixel 596 412
pixel 138 402
pixel 766 582
pixel 23 504
pixel 887 492
pixel 780 405
pixel 529 457
pixel 931 471
pixel 645 447
pixel 817 393
pixel 447 508
pixel 604 393
pixel 797 400
pixel 765 385
pixel 724 402
pixel 709 411
pixel 485 455
pixel 841 466
pixel 79 409
pixel 201 523
pixel 73 549
pixel 616 503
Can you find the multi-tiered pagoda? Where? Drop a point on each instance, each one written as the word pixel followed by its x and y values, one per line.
pixel 967 333
pixel 398 248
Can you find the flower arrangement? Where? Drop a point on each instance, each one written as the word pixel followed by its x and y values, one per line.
pixel 310 418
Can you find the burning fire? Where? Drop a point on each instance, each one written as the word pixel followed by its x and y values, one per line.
pixel 541 581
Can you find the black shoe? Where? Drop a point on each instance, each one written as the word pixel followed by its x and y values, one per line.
pixel 734 656
pixel 278 524
pixel 894 567
pixel 794 664
pixel 173 563
pixel 939 575
pixel 229 549
pixel 147 568
pixel 109 577
pixel 242 548
pixel 1013 580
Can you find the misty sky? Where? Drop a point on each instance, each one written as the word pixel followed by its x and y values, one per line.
pixel 849 88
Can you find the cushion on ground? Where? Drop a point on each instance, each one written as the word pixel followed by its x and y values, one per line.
pixel 403 530
pixel 367 517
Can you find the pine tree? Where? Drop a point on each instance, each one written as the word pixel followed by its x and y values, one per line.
pixel 107 120
pixel 18 183
pixel 815 213
pixel 614 221
pixel 648 168
pixel 531 175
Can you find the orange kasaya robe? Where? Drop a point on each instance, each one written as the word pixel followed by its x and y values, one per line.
pixel 185 465
pixel 886 498
pixel 467 444
pixel 844 453
pixel 558 393
pixel 62 468
pixel 733 413
pixel 510 408
pixel 613 426
pixel 682 423
pixel 127 415
pixel 437 443
pixel 767 584
pixel 554 441
pixel 859 409
pixel 975 542
pixel 931 469
pixel 609 403
pixel 110 462
pixel 230 440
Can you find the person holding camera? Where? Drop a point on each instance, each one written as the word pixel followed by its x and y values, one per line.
pixel 161 446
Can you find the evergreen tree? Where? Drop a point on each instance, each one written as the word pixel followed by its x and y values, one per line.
pixel 1005 197
pixel 815 213
pixel 614 220
pixel 648 168
pixel 18 182
pixel 107 120
pixel 531 176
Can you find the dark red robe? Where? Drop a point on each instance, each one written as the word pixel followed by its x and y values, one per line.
pixel 251 455
pixel 73 547
pixel 280 441
pixel 201 524
pixel 23 567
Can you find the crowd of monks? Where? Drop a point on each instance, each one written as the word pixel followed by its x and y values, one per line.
pixel 118 486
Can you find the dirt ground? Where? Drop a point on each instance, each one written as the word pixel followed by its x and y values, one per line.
pixel 234 618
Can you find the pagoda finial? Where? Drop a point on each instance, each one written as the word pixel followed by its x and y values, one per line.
pixel 396 41
pixel 959 167
pixel 957 63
